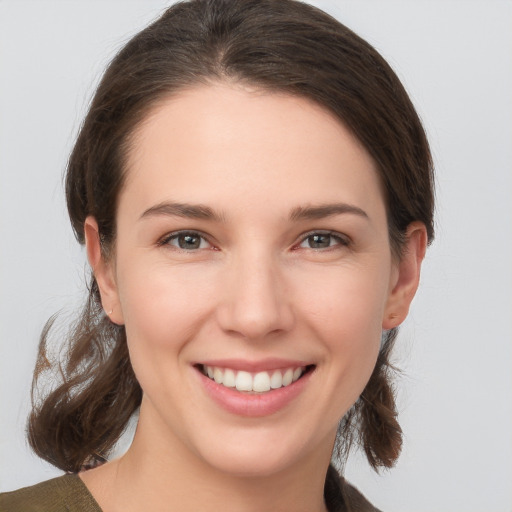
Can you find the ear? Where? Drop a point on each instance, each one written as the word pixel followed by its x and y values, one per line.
pixel 406 276
pixel 103 272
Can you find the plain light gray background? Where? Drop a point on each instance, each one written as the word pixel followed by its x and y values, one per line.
pixel 455 58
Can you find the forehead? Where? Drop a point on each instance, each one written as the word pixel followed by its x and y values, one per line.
pixel 211 143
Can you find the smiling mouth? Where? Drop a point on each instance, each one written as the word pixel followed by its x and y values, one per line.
pixel 258 382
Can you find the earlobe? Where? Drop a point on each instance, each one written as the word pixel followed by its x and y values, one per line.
pixel 408 276
pixel 103 272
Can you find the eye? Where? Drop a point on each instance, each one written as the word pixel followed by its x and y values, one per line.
pixel 186 240
pixel 321 240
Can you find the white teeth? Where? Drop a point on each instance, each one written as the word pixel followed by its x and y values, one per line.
pixel 243 381
pixel 218 375
pixel 276 381
pixel 260 382
pixel 229 379
pixel 288 377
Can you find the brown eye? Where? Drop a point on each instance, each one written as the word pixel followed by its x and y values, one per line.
pixel 322 241
pixel 188 241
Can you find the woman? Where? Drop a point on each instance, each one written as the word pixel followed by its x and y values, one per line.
pixel 254 190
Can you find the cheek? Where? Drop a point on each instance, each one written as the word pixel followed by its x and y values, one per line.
pixel 163 308
pixel 347 301
pixel 345 313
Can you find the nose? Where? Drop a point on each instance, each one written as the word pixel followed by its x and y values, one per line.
pixel 254 301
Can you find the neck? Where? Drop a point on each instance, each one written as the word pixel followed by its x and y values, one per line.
pixel 165 475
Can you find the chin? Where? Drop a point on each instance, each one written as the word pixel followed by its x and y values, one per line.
pixel 264 454
pixel 252 464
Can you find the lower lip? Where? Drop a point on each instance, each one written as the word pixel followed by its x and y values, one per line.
pixel 253 405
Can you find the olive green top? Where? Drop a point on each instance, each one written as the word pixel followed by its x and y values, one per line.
pixel 69 494
pixel 62 494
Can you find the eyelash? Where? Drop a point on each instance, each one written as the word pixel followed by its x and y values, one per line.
pixel 175 235
pixel 341 240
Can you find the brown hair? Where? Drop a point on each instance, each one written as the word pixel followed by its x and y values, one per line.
pixel 279 45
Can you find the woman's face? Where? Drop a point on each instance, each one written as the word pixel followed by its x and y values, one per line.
pixel 252 245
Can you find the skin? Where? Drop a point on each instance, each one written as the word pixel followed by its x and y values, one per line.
pixel 256 287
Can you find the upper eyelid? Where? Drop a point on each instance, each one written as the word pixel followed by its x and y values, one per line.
pixel 168 236
pixel 344 238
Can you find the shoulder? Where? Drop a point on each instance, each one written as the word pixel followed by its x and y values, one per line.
pixel 63 494
pixel 340 496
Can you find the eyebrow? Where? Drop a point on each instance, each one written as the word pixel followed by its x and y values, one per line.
pixel 325 210
pixel 199 211
pixel 189 211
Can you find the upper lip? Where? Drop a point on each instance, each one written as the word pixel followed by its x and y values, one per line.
pixel 254 366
